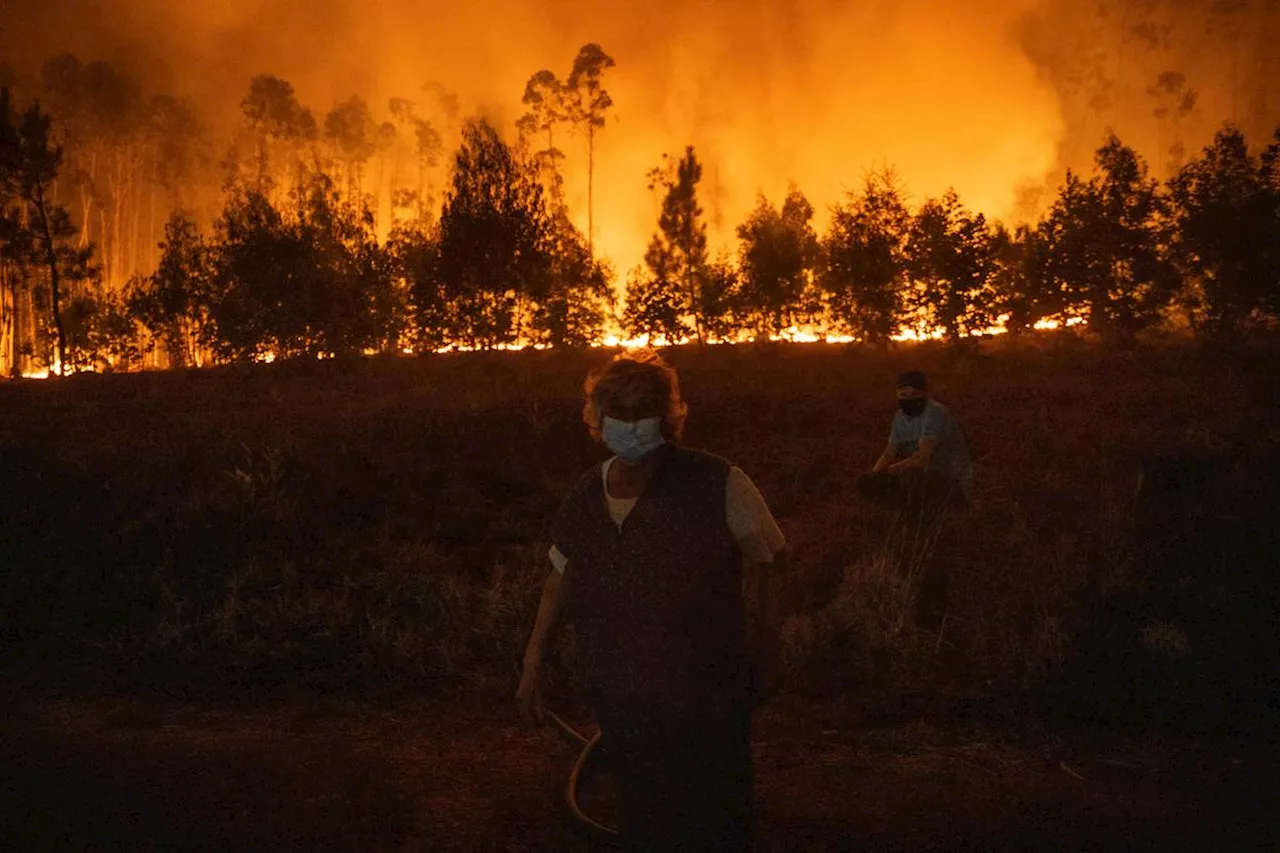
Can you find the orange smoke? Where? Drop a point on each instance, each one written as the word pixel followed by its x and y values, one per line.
pixel 771 92
pixel 938 91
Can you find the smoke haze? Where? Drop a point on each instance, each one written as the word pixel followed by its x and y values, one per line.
pixel 976 95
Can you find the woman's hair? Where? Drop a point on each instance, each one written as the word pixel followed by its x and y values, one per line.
pixel 641 374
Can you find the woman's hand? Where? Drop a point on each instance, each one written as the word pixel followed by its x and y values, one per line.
pixel 529 693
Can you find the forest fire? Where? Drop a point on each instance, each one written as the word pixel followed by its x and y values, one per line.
pixel 616 340
pixel 204 205
pixel 979 302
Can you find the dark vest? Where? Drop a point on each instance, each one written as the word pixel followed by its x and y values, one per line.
pixel 657 607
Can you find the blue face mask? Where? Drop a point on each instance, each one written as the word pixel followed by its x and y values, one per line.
pixel 632 440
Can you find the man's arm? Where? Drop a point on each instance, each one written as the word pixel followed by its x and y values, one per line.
pixel 921 458
pixel 762 587
pixel 886 458
pixel 529 694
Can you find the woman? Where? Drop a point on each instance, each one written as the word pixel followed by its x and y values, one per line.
pixel 663 558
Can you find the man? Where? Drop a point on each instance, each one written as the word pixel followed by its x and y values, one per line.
pixel 926 462
pixel 664 559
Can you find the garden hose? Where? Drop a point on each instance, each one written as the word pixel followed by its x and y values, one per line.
pixel 588 744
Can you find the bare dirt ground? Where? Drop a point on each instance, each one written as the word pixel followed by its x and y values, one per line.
pixel 93 771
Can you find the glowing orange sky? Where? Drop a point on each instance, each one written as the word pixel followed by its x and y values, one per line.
pixel 940 92
pixel 814 92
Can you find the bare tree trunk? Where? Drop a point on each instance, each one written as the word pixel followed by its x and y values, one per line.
pixel 422 189
pixel 15 336
pixel 262 162
pixel 117 220
pixel 86 215
pixel 106 245
pixel 6 320
pixel 519 312
pixel 51 258
pixel 135 222
pixel 691 287
pixel 151 219
pixel 591 174
pixel 377 196
pixel 29 322
pixel 393 181
pixel 86 200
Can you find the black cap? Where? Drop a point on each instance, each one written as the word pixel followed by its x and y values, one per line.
pixel 911 379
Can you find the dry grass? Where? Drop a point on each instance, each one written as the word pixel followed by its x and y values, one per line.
pixel 339 523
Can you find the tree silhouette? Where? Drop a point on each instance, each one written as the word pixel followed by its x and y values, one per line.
pixel 426 147
pixel 173 303
pixel 413 252
pixel 778 253
pixel 494 262
pixel 352 134
pixel 654 303
pixel 129 157
pixel 29 164
pixel 1022 289
pixel 720 300
pixel 274 114
pixel 573 309
pixel 350 304
pixel 105 134
pixel 443 114
pixel 864 263
pixel 181 151
pixel 63 81
pixel 1106 245
pixel 587 102
pixel 385 140
pixel 257 276
pixel 545 96
pixel 17 251
pixel 676 259
pixel 1270 171
pixel 120 127
pixel 1224 215
pixel 101 334
pixel 949 257
pixel 310 283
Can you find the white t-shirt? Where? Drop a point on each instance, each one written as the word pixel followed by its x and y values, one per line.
pixel 748 516
pixel 952 454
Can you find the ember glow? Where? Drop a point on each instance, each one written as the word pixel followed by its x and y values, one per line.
pixel 994 98
pixel 811 335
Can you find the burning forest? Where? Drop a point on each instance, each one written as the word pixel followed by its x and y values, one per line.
pixel 380 342
pixel 211 193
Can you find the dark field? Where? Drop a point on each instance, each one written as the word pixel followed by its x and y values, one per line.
pixel 284 606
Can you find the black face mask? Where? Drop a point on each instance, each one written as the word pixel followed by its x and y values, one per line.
pixel 913 406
